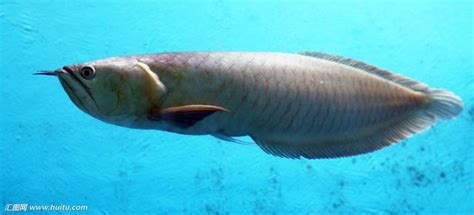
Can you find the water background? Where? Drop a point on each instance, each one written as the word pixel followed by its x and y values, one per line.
pixel 52 153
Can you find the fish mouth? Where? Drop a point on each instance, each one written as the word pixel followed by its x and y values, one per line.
pixel 77 91
pixel 71 92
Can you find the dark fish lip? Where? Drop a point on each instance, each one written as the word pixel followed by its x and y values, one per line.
pixel 67 69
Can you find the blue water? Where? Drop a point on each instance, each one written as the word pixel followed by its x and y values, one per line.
pixel 52 153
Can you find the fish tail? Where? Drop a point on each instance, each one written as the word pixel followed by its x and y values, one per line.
pixel 444 104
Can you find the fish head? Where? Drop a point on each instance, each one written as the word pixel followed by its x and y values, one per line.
pixel 116 90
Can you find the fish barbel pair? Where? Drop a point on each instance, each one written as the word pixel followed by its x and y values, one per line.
pixel 309 104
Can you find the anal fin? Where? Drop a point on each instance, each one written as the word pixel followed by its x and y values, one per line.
pixel 384 135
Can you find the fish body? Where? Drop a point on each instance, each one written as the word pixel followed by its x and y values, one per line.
pixel 309 104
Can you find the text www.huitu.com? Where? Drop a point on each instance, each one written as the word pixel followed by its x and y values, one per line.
pixel 51 207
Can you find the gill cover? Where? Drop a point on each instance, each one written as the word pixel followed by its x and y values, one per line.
pixel 153 78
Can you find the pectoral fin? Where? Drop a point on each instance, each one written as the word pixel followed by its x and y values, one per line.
pixel 185 116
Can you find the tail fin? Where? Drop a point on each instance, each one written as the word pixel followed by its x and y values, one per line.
pixel 444 104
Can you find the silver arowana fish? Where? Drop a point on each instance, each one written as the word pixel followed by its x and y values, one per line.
pixel 310 104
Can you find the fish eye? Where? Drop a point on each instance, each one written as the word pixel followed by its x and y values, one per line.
pixel 87 72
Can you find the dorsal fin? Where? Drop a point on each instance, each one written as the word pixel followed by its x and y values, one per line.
pixel 414 85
